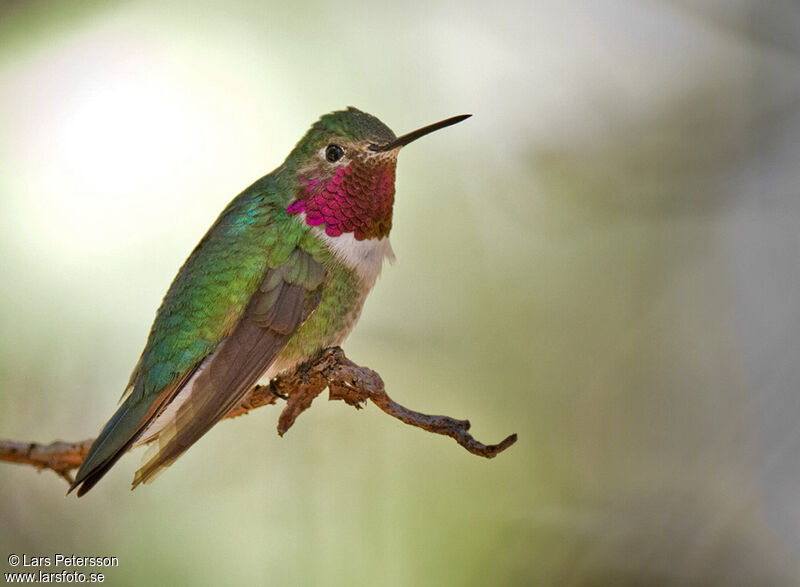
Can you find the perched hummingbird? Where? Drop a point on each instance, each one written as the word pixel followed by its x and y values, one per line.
pixel 282 274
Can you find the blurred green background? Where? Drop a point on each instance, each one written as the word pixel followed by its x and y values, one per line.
pixel 603 259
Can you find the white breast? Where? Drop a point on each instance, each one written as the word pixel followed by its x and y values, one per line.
pixel 365 257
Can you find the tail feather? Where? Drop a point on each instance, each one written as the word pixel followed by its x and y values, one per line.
pixel 120 433
pixel 113 441
pixel 95 474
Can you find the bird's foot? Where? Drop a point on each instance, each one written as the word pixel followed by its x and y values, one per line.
pixel 275 392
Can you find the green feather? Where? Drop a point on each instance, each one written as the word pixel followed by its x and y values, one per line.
pixel 208 297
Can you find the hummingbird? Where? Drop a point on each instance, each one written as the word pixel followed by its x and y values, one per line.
pixel 281 274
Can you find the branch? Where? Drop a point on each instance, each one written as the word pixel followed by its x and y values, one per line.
pixel 330 369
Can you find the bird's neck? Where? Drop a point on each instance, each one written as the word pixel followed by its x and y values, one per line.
pixel 356 199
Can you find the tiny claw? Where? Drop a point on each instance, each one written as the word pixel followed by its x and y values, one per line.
pixel 275 392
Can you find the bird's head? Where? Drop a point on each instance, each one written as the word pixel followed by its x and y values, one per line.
pixel 344 169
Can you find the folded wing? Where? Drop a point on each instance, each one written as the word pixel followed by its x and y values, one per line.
pixel 219 376
pixel 285 299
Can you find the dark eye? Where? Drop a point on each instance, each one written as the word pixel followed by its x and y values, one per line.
pixel 333 153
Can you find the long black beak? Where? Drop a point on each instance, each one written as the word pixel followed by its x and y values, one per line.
pixel 420 132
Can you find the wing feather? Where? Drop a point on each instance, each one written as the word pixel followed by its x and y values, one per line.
pixel 203 306
pixel 282 303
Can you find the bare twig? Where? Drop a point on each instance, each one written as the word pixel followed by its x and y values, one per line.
pixel 330 369
pixel 57 456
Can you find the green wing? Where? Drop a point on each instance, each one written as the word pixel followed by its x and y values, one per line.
pixel 282 303
pixel 221 290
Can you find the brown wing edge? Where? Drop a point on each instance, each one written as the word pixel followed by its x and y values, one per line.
pixel 273 315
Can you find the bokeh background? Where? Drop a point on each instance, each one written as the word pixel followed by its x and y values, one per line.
pixel 603 259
